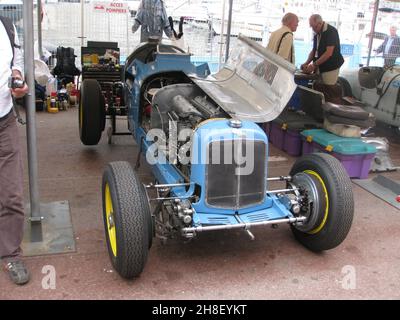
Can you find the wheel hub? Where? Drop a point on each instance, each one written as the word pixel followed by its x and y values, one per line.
pixel 313 202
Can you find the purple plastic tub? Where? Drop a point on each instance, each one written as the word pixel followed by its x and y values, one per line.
pixel 285 139
pixel 292 143
pixel 357 166
pixel 277 135
pixel 267 128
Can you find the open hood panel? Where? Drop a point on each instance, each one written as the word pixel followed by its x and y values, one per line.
pixel 255 84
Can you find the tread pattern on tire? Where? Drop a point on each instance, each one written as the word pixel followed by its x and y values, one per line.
pixel 370 122
pixel 132 228
pixel 341 202
pixel 92 105
pixel 351 112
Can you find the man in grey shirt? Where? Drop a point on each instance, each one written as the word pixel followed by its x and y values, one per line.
pixel 153 19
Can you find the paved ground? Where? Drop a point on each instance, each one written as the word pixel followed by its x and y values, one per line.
pixel 215 266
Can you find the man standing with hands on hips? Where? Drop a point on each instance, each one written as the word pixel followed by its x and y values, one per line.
pixel 11 176
pixel 325 57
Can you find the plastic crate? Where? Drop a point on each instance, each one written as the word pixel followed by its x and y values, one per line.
pixel 277 135
pixel 266 127
pixel 354 154
pixel 284 132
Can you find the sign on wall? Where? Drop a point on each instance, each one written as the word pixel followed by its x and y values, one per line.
pixel 111 7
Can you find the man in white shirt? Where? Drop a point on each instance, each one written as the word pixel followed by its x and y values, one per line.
pixel 281 40
pixel 390 48
pixel 11 178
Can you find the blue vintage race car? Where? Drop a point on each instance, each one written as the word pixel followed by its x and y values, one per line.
pixel 209 155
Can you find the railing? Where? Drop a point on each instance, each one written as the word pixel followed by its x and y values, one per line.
pixel 61 26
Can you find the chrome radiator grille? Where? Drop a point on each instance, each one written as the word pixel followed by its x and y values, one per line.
pixel 230 182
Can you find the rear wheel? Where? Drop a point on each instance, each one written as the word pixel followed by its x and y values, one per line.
pixel 328 205
pixel 127 219
pixel 91 112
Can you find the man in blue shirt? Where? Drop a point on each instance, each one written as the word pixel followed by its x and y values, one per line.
pixel 390 48
pixel 153 19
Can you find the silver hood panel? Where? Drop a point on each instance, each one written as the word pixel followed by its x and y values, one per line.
pixel 255 84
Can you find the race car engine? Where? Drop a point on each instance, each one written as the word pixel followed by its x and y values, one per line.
pixel 173 114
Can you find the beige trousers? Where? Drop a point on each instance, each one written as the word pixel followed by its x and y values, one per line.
pixel 330 77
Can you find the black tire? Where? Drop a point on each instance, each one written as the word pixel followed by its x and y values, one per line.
pixel 351 112
pixel 92 115
pixel 131 218
pixel 346 88
pixel 330 229
pixel 370 122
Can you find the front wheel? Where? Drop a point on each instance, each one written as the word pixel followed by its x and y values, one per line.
pixel 127 219
pixel 328 201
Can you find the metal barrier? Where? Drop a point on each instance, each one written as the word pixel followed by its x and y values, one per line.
pixel 61 26
pixel 62 21
pixel 13 12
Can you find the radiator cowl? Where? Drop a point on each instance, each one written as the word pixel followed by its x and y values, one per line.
pixel 235 173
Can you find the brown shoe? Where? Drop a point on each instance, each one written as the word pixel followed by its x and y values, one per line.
pixel 17 272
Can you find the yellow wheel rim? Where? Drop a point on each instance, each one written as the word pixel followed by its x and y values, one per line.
pixel 319 228
pixel 112 234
